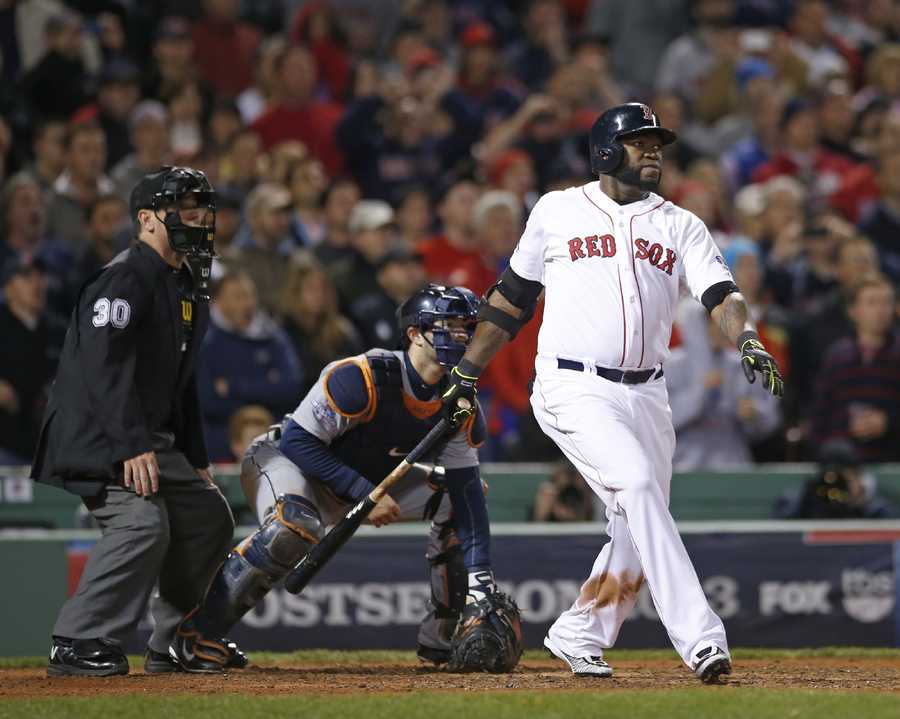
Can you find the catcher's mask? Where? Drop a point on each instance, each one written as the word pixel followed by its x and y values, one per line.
pixel 432 309
pixel 188 202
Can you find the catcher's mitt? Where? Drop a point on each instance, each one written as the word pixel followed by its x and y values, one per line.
pixel 488 637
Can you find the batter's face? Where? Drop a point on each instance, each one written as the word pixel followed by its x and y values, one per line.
pixel 642 165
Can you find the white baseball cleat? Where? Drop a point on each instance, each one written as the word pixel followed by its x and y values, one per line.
pixel 581 666
pixel 710 664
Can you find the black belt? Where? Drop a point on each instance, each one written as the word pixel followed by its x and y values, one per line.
pixel 614 375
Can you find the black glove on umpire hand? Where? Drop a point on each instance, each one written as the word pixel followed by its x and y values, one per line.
pixel 462 386
pixel 754 358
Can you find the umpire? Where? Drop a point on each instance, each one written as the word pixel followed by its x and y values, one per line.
pixel 123 430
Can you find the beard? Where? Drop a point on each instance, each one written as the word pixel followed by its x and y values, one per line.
pixel 631 175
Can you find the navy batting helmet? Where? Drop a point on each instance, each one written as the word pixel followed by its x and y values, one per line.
pixel 425 310
pixel 617 122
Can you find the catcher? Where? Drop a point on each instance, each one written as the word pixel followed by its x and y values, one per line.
pixel 302 476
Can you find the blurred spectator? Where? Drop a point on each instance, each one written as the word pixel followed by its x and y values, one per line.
pixel 339 200
pixel 565 497
pixel 858 392
pixel 481 88
pixel 57 85
pixel 456 244
pixel 800 155
pixel 244 426
pixel 149 127
pixel 372 232
pixel 716 413
pixel 222 123
pixel 228 217
pixel 224 47
pixel 49 148
pixel 309 311
pixel 307 183
pixel 245 359
pixel 821 326
pixel 836 120
pixel 25 372
pixel 414 217
pixel 297 114
pixel 497 221
pixel 744 259
pixel 813 44
pixel 24 223
pixel 262 95
pixel 801 273
pixel 118 93
pixel 406 132
pixel 79 185
pixel 842 489
pixel 638 34
pixel 107 233
pixel 700 65
pixel 186 110
pixel 881 220
pixel 399 274
pixel 544 45
pixel 264 244
pixel 173 56
pixel 239 165
pixel 317 26
pixel 882 76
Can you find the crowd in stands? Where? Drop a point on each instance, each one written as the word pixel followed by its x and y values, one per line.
pixel 360 149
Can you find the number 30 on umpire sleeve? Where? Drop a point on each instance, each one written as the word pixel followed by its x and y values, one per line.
pixel 117 312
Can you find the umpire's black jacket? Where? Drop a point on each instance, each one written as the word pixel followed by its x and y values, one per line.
pixel 123 374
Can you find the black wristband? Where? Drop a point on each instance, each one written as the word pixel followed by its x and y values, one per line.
pixel 744 336
pixel 468 369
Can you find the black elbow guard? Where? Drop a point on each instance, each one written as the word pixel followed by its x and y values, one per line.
pixel 516 290
pixel 714 295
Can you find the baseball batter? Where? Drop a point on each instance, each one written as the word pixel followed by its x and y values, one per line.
pixel 611 256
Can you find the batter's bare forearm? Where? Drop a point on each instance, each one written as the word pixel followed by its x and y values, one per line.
pixel 489 338
pixel 733 316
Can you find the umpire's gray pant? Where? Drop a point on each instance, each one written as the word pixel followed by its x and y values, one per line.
pixel 178 536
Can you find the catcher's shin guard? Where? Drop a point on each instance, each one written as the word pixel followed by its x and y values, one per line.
pixel 266 556
pixel 448 593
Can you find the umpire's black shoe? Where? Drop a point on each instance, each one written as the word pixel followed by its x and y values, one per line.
pixel 85 658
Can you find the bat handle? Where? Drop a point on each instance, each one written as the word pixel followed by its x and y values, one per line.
pixel 422 447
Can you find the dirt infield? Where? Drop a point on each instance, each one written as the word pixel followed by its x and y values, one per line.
pixel 869 674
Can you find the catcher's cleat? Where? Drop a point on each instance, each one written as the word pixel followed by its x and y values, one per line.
pixel 159 663
pixel 710 664
pixel 195 653
pixel 85 658
pixel 430 655
pixel 590 666
pixel 236 658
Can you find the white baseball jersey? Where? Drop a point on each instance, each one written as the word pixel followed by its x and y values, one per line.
pixel 612 273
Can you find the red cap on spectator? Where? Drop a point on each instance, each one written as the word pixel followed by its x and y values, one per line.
pixel 498 168
pixel 477 33
pixel 422 59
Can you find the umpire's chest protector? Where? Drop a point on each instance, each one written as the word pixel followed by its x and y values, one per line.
pixel 126 371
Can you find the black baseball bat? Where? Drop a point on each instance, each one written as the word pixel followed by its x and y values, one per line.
pixel 307 568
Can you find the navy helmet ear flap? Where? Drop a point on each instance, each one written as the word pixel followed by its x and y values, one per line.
pixel 606 158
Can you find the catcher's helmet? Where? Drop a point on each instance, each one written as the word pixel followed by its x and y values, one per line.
pixel 617 122
pixel 167 189
pixel 432 304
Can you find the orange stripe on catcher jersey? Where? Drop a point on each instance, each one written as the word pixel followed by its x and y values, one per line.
pixel 369 411
pixel 421 409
